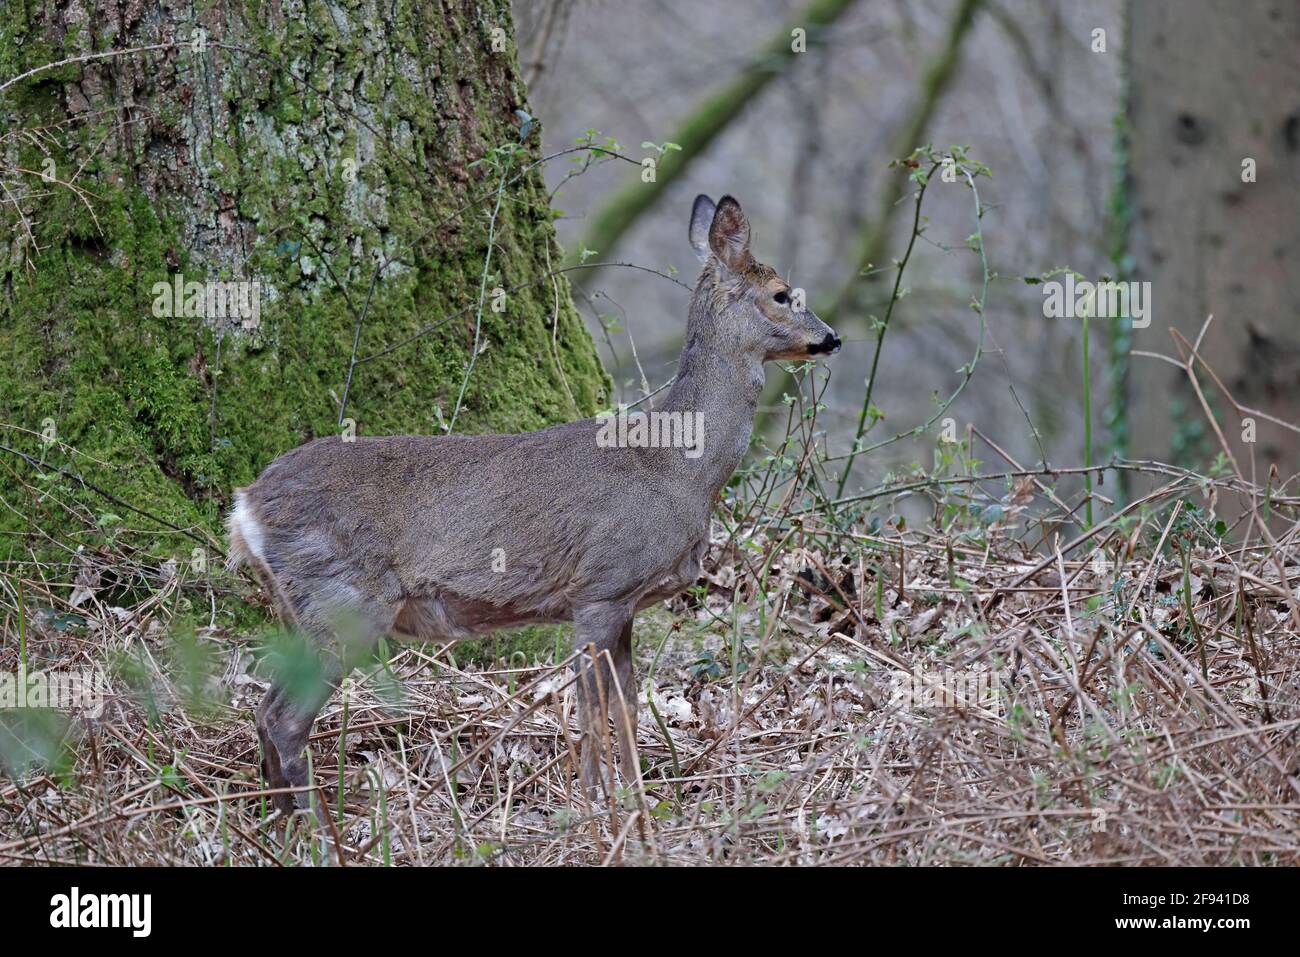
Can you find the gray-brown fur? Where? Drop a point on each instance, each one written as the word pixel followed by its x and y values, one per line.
pixel 441 537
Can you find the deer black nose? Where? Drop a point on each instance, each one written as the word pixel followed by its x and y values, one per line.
pixel 830 345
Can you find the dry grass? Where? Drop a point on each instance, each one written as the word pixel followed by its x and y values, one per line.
pixel 776 732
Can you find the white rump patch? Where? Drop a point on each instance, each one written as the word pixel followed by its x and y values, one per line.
pixel 244 522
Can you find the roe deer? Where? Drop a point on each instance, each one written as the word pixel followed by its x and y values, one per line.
pixel 438 538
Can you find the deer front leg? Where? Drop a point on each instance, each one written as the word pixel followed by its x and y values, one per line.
pixel 605 684
pixel 625 707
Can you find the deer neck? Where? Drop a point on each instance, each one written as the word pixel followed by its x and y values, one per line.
pixel 720 387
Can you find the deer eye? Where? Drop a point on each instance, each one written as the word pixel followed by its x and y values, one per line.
pixel 782 297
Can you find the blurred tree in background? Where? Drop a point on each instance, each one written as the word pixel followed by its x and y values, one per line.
pixel 1214 137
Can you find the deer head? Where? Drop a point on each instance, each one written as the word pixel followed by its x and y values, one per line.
pixel 754 308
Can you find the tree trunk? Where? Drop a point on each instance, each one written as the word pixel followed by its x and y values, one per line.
pixel 295 146
pixel 1212 86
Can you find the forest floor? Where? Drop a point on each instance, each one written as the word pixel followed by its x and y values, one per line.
pixel 1000 687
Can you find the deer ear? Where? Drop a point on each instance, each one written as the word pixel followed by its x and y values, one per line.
pixel 729 233
pixel 701 219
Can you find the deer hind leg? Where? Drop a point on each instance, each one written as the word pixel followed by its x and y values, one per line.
pixel 325 647
pixel 275 702
pixel 605 683
pixel 284 722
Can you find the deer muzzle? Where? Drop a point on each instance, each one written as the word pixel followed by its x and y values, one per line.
pixel 828 346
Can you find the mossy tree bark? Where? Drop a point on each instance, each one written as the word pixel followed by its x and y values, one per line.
pixel 300 146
